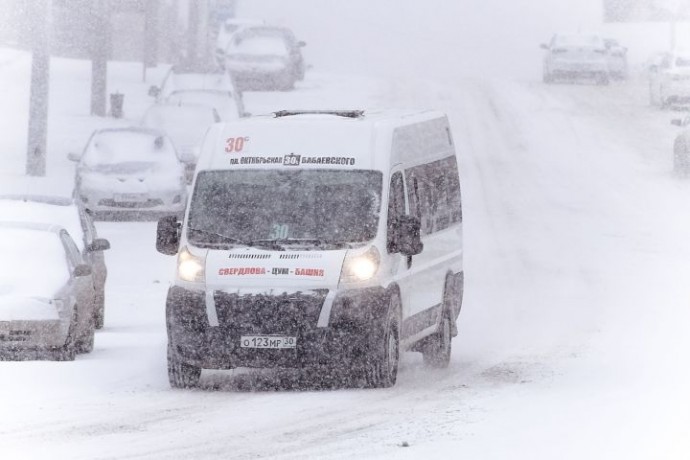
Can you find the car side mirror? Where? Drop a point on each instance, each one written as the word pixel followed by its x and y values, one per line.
pixel 544 46
pixel 187 157
pixel 74 156
pixel 82 270
pixel 154 91
pixel 301 44
pixel 99 244
pixel 409 239
pixel 168 235
pixel 677 122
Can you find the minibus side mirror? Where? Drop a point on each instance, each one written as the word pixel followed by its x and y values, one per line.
pixel 409 239
pixel 154 91
pixel 99 244
pixel 168 235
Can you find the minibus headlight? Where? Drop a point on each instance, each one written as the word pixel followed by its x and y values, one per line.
pixel 190 267
pixel 361 267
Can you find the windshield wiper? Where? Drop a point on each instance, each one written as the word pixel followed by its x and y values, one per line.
pixel 217 237
pixel 317 242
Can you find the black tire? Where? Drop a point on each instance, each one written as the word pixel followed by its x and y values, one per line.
pixel 381 365
pixel 436 352
pixel 99 309
pixel 68 351
pixel 181 375
pixel 85 343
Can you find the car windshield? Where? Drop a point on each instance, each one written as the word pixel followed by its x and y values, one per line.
pixel 128 151
pixel 264 44
pixel 219 100
pixel 34 263
pixel 317 207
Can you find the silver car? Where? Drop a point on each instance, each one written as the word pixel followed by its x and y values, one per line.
pixel 573 57
pixel 130 173
pixel 67 213
pixel 46 294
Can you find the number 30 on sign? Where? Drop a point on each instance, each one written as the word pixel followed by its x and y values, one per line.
pixel 235 144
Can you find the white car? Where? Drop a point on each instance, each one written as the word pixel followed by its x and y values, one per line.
pixel 572 57
pixel 227 107
pixel 180 78
pixel 46 293
pixel 130 172
pixel 265 58
pixel 229 27
pixel 669 79
pixel 186 125
pixel 66 213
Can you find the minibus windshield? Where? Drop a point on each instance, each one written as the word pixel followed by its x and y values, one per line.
pixel 309 208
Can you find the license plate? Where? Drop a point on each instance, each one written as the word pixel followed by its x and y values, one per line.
pixel 130 197
pixel 267 341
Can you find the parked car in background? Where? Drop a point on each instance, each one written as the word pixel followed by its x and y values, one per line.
pixel 46 293
pixel 186 125
pixel 265 58
pixel 222 102
pixel 573 57
pixel 617 59
pixel 67 213
pixel 130 173
pixel 229 27
pixel 669 79
pixel 213 80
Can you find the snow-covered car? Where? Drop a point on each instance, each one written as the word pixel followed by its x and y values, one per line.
pixel 223 102
pixel 669 79
pixel 617 58
pixel 46 293
pixel 130 172
pixel 180 78
pixel 67 213
pixel 265 58
pixel 225 31
pixel 570 57
pixel 186 125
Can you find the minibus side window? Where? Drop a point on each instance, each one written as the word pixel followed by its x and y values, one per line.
pixel 396 209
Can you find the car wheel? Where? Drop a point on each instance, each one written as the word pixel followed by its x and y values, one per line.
pixel 180 374
pixel 681 165
pixel 68 351
pixel 436 353
pixel 99 309
pixel 380 367
pixel 85 343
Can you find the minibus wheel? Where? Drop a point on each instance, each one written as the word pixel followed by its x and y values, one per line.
pixel 180 374
pixel 381 367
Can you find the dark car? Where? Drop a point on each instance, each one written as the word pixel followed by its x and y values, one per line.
pixel 265 58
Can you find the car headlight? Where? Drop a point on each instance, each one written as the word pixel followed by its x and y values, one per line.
pixel 190 267
pixel 360 267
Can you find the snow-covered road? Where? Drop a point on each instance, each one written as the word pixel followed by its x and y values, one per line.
pixel 573 339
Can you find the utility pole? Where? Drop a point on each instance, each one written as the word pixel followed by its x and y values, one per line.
pixel 38 27
pixel 193 34
pixel 100 51
pixel 151 33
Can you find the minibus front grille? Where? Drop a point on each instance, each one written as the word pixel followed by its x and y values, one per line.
pixel 269 314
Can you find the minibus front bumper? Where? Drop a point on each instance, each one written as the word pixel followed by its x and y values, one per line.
pixel 353 323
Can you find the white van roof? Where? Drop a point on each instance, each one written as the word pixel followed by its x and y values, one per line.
pixel 318 139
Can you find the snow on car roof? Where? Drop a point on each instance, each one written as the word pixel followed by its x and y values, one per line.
pixel 34 262
pixel 65 215
pixel 128 145
pixel 588 40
